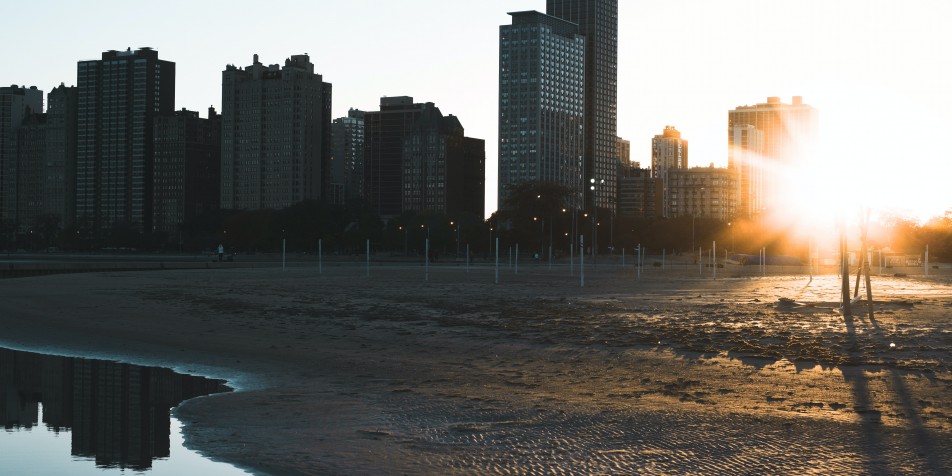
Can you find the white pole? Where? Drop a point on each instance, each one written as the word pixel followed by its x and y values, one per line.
pixel 426 259
pixel 714 257
pixel 467 257
pixel 581 256
pixel 638 261
pixel 497 260
pixel 517 259
pixel 368 258
pixel 284 250
pixel 320 256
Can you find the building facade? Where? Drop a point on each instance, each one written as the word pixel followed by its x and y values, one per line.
pixel 541 103
pixel 598 22
pixel 276 135
pixel 16 104
pixel 668 152
pixel 787 136
pixel 703 192
pixel 118 98
pixel 187 169
pixel 46 165
pixel 638 192
pixel 748 162
pixel 416 159
pixel 347 158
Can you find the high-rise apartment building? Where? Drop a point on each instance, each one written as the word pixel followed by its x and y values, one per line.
pixel 187 169
pixel 668 152
pixel 703 192
pixel 541 103
pixel 638 191
pixel 119 95
pixel 788 135
pixel 749 164
pixel 46 164
pixel 16 104
pixel 623 152
pixel 276 134
pixel 598 22
pixel 347 158
pixel 417 159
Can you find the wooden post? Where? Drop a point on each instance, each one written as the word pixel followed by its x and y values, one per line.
pixel 844 272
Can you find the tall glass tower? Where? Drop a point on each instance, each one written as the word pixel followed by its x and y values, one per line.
pixel 597 20
pixel 541 102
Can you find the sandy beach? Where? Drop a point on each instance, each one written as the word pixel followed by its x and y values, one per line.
pixel 341 373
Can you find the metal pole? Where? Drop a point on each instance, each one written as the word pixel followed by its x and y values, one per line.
pixel 284 250
pixel 368 258
pixel 714 257
pixel 662 258
pixel 572 258
pixel 550 254
pixel 638 261
pixel 700 262
pixel 623 257
pixel 581 255
pixel 320 256
pixel 927 260
pixel 497 261
pixel 517 259
pixel 426 260
pixel 467 257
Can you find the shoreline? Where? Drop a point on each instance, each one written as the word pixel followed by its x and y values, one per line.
pixel 394 374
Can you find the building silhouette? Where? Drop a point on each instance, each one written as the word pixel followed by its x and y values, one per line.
pixel 347 158
pixel 16 104
pixel 276 134
pixel 702 192
pixel 541 103
pixel 638 191
pixel 417 159
pixel 46 166
pixel 187 169
pixel 119 96
pixel 787 133
pixel 668 152
pixel 597 20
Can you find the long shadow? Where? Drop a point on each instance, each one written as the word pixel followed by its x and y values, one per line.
pixel 920 440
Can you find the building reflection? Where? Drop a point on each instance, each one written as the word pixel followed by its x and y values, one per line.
pixel 117 414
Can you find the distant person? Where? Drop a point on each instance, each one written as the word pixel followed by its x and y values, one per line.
pixel 221 252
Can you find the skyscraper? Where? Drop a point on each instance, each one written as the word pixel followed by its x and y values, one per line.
pixel 119 95
pixel 417 159
pixel 598 22
pixel 45 166
pixel 276 134
pixel 668 152
pixel 787 133
pixel 541 103
pixel 187 167
pixel 16 104
pixel 347 157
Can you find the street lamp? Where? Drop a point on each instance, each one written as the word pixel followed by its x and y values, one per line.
pixel 730 225
pixel 405 240
pixel 457 237
pixel 600 183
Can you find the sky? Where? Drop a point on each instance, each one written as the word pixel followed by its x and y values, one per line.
pixel 879 72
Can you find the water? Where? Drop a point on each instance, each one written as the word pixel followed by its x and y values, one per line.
pixel 63 415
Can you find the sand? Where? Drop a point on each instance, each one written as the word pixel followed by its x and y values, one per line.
pixel 340 373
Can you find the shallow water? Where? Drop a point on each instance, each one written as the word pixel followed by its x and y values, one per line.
pixel 63 415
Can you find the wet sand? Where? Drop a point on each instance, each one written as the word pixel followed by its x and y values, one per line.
pixel 341 373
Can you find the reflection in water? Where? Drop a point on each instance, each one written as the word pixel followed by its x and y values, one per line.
pixel 118 414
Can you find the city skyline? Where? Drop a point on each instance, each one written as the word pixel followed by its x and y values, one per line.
pixel 865 66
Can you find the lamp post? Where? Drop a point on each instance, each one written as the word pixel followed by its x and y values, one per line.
pixel 405 240
pixel 600 183
pixel 457 237
pixel 731 226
